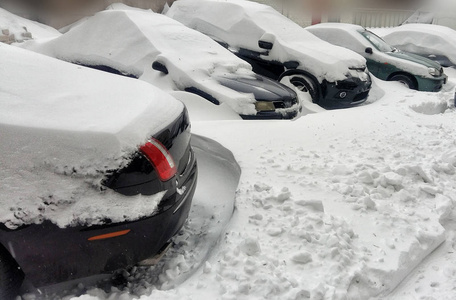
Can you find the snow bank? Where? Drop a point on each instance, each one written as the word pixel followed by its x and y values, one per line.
pixel 241 24
pixel 62 126
pixel 131 40
pixel 16 29
pixel 335 205
pixel 425 39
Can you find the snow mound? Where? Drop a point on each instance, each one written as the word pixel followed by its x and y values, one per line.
pixel 430 107
pixel 57 142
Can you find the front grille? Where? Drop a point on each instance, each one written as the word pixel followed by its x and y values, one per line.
pixel 346 85
pixel 360 96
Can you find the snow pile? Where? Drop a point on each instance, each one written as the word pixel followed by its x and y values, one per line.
pixel 335 205
pixel 241 24
pixel 16 29
pixel 424 39
pixel 57 139
pixel 131 40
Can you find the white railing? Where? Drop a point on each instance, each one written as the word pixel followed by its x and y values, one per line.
pixel 379 18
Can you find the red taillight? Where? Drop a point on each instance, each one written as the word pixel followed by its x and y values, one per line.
pixel 160 158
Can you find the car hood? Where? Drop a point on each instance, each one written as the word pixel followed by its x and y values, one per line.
pixel 261 87
pixel 415 58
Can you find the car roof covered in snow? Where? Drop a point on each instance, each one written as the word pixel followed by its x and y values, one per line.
pixel 241 24
pixel 62 126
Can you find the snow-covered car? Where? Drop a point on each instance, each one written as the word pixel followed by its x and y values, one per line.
pixel 435 42
pixel 97 171
pixel 437 12
pixel 163 52
pixel 383 60
pixel 279 48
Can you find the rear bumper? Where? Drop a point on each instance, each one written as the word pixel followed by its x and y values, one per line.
pixel 48 254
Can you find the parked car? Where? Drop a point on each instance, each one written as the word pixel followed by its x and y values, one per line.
pixel 163 52
pixel 437 12
pixel 438 43
pixel 97 170
pixel 383 60
pixel 279 48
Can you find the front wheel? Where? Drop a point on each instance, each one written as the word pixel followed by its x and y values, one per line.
pixel 405 80
pixel 304 84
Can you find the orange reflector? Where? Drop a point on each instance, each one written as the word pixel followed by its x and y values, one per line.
pixel 109 235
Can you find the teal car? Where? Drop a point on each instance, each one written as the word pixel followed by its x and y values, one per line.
pixel 384 61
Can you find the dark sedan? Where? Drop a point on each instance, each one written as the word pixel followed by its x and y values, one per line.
pixel 93 179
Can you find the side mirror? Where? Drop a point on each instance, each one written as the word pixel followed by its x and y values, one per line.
pixel 369 50
pixel 265 45
pixel 158 66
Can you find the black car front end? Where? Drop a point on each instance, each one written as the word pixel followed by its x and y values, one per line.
pixel 48 254
pixel 273 100
pixel 346 93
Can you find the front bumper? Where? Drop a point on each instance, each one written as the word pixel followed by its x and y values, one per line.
pixel 48 254
pixel 277 114
pixel 345 93
pixel 434 84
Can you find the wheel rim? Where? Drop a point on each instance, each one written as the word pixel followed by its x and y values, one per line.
pixel 404 83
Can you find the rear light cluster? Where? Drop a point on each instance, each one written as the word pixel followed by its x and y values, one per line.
pixel 160 158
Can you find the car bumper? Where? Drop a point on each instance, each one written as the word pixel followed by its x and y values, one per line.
pixel 340 97
pixel 48 254
pixel 278 114
pixel 431 84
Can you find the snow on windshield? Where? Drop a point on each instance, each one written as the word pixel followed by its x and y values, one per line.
pixel 61 127
pixel 241 24
pixel 131 40
pixel 380 44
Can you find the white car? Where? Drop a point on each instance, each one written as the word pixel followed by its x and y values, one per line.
pixel 167 54
pixel 279 48
pixel 432 41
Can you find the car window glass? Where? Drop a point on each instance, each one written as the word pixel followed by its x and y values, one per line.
pixel 377 42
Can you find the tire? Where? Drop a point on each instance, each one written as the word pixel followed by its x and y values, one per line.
pixel 406 80
pixel 305 84
pixel 10 277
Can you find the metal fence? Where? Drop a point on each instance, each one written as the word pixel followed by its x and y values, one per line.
pixel 380 18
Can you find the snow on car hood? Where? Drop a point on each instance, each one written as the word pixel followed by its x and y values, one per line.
pixel 131 40
pixel 423 39
pixel 21 29
pixel 241 24
pixel 61 127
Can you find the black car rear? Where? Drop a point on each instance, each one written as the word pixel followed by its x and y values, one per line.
pixel 47 254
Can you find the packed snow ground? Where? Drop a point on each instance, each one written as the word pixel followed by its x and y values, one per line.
pixel 340 204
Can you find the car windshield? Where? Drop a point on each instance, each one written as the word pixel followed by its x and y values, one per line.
pixel 377 41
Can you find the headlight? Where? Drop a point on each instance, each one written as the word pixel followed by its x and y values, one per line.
pixel 434 71
pixel 264 106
